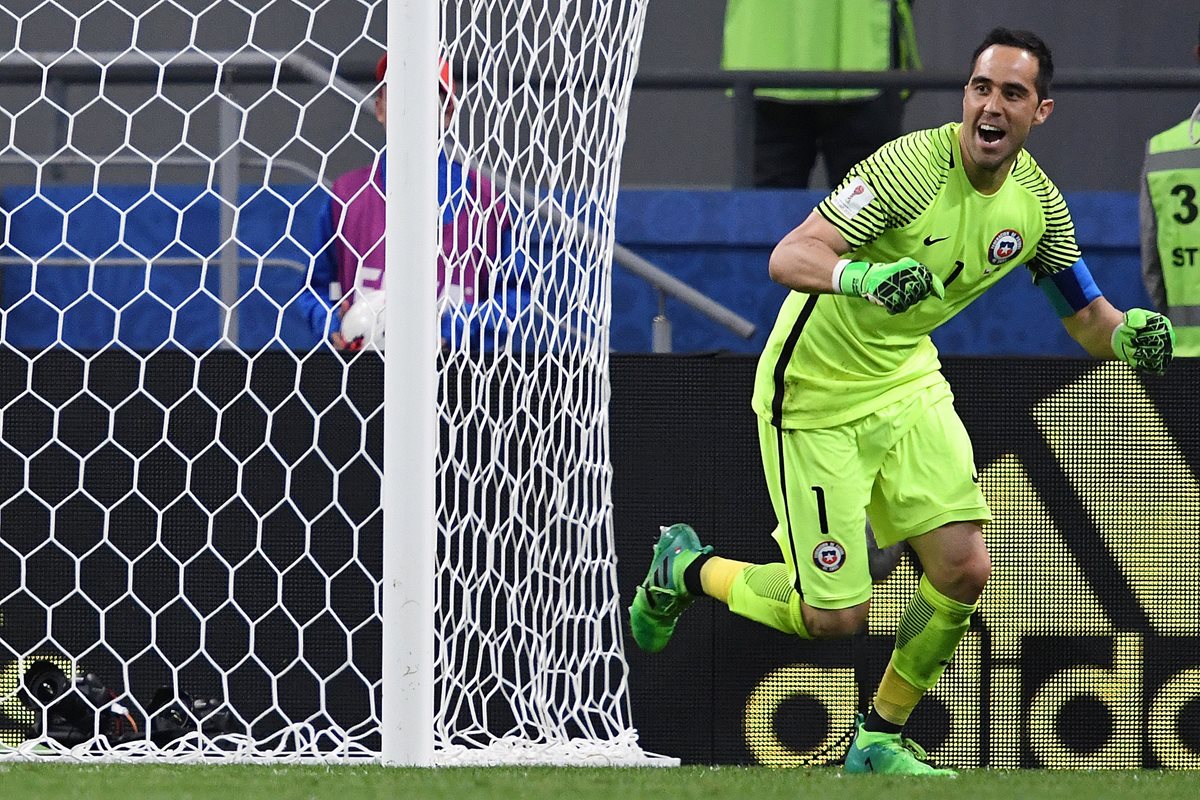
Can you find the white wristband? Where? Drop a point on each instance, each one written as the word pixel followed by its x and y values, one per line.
pixel 838 269
pixel 1114 341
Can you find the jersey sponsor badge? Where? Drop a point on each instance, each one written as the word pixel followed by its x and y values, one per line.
pixel 829 556
pixel 1006 245
pixel 853 198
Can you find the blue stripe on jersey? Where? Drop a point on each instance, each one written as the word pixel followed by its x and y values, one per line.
pixel 1070 289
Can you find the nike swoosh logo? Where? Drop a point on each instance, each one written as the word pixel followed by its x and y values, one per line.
pixel 930 241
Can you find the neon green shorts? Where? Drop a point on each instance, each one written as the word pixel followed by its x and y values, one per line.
pixel 908 466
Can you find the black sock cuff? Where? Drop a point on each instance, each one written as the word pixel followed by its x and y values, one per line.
pixel 691 575
pixel 878 724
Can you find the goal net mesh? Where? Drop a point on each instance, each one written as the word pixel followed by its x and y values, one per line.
pixel 190 470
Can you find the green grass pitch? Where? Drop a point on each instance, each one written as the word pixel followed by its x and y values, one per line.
pixel 51 781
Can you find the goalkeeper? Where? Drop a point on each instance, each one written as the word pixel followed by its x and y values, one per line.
pixel 855 417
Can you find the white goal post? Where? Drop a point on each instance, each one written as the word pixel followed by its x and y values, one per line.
pixel 223 538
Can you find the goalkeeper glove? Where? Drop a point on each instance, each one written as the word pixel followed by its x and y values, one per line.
pixel 1144 340
pixel 897 286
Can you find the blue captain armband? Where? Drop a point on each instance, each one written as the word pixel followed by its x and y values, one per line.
pixel 1069 290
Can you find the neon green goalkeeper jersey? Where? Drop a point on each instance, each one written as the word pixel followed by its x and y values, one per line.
pixel 834 358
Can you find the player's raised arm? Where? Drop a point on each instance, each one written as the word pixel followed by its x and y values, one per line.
pixel 805 259
pixel 1145 340
pixel 1092 325
pixel 809 260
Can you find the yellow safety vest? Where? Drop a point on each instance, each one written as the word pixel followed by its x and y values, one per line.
pixel 1173 185
pixel 817 35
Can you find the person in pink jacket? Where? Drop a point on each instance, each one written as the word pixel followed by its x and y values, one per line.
pixel 479 272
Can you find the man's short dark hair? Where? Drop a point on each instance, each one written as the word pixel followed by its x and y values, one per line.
pixel 1029 42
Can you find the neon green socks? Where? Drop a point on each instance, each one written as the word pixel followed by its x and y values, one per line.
pixel 929 631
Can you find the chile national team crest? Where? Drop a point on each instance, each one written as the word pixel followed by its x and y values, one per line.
pixel 1005 246
pixel 829 556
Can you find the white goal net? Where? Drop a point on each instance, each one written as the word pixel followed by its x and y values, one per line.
pixel 191 468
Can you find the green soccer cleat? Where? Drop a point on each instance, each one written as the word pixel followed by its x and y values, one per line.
pixel 889 754
pixel 661 598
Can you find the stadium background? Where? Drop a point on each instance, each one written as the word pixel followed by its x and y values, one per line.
pixel 1092 471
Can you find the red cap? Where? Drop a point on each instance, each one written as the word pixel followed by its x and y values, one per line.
pixel 444 77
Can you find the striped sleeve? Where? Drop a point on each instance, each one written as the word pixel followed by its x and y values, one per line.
pixel 890 188
pixel 1057 249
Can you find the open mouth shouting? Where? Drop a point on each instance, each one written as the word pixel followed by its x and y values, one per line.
pixel 989 134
